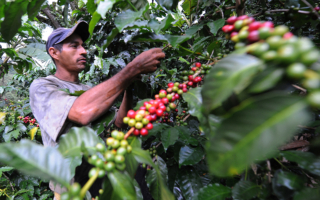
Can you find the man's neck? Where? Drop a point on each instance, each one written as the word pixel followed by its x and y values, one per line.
pixel 66 76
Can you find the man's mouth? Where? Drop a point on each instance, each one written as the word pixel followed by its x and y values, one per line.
pixel 82 60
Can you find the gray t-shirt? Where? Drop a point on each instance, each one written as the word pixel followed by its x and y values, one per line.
pixel 50 106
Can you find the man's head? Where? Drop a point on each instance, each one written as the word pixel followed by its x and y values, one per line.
pixel 65 46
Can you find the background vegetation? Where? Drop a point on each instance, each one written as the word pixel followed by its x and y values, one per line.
pixel 246 134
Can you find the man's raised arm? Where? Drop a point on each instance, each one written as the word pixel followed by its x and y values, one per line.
pixel 96 101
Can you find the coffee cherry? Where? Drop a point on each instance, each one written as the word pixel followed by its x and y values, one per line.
pixel 159 112
pixel 190 83
pixel 176 96
pixel 317 8
pixel 280 30
pixel 126 120
pixel 100 147
pixel 172 105
pixel 129 149
pixel 169 90
pixel 138 118
pixel 180 92
pixel 253 36
pixel 93 159
pixel 110 141
pixel 109 156
pixel 238 24
pixel 131 114
pixel 161 95
pixel 99 163
pixel 75 189
pixel 185 78
pixel 132 122
pixel 231 20
pixel 165 100
pixel 110 166
pixel 267 24
pixel 119 159
pixel 144 132
pixel 163 107
pixel 138 125
pixel 115 144
pixel 152 110
pixel 153 117
pixel 149 126
pixel 296 70
pixel 121 151
pixel 114 133
pixel 190 77
pixel 170 85
pixel 120 136
pixel 92 172
pixel 136 132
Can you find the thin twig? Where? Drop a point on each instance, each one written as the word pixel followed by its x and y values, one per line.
pixel 300 88
pixel 281 10
pixel 128 133
pixel 220 10
pixel 8 180
pixel 312 8
pixel 158 144
pixel 186 117
pixel 165 46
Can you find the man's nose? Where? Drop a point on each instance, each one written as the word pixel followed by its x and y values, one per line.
pixel 83 51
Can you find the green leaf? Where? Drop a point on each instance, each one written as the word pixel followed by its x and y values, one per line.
pixel 165 24
pixel 200 43
pixel 34 8
pixel 122 185
pixel 7 136
pixel 127 17
pixel 131 165
pixel 71 143
pixel 213 192
pixel 189 182
pixel 99 124
pixel 104 7
pixel 231 74
pixel 169 4
pixel 185 135
pixel 244 190
pixel 175 40
pixel 169 137
pixel 266 79
pixel 152 178
pixel 240 141
pixel 214 46
pixel 138 190
pixel 311 193
pixel 215 26
pixel 193 29
pixel 194 99
pixel 289 180
pixel 190 155
pixel 305 160
pixel 109 39
pixel 91 6
pixel 12 20
pixel 157 130
pixel 142 156
pixel 36 160
pixel 189 6
pixel 5 169
pixel 94 20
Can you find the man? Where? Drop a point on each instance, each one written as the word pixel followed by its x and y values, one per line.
pixel 57 111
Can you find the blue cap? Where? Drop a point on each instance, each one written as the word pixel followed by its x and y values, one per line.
pixel 60 34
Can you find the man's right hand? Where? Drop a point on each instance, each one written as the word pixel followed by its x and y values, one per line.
pixel 147 61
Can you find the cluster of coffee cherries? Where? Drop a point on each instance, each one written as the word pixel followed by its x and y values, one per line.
pixel 153 151
pixel 113 156
pixel 28 119
pixel 277 45
pixel 188 75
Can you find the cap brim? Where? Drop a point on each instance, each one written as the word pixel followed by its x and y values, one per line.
pixel 81 29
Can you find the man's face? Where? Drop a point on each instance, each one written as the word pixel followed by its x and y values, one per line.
pixel 73 55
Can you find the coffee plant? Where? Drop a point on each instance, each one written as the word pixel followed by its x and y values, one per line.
pixel 232 112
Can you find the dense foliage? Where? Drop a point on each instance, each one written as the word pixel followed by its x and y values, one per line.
pixel 246 131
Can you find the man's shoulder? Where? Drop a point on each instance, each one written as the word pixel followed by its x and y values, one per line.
pixel 42 81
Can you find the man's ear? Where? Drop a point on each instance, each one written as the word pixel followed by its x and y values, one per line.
pixel 54 53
